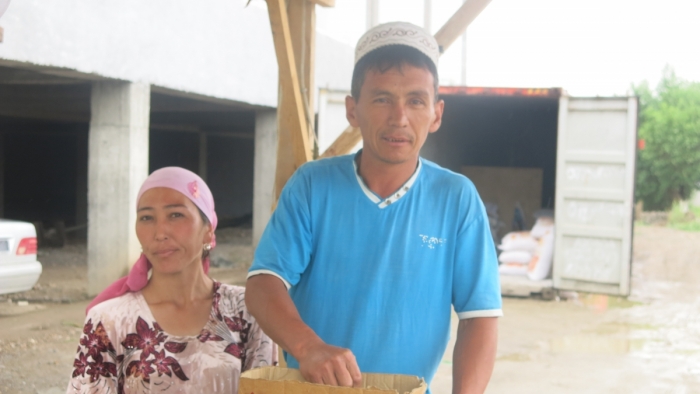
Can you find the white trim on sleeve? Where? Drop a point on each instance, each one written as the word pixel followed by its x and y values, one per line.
pixel 268 272
pixel 482 313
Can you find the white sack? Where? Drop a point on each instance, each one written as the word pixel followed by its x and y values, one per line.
pixel 519 240
pixel 513 269
pixel 542 226
pixel 515 257
pixel 541 263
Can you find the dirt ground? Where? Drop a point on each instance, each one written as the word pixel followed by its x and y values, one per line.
pixel 647 343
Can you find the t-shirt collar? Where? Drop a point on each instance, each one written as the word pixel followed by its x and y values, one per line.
pixel 402 191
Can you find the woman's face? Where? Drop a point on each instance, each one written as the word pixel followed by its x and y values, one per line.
pixel 170 230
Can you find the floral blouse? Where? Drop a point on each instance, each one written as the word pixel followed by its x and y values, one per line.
pixel 124 350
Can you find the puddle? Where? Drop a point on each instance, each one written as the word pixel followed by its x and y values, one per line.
pixel 607 339
pixel 620 328
pixel 591 344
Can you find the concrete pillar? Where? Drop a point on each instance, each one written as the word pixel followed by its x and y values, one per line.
pixel 2 176
pixel 264 170
pixel 81 185
pixel 203 156
pixel 118 165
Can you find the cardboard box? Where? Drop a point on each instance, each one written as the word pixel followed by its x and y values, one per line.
pixel 276 380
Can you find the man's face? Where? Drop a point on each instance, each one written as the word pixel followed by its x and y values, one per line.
pixel 395 113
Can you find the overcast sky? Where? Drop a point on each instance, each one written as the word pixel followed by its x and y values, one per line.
pixel 591 47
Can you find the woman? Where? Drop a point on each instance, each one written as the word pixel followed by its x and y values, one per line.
pixel 179 331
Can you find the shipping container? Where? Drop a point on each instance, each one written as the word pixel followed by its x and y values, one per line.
pixel 542 149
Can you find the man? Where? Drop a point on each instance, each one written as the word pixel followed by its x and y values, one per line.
pixel 365 254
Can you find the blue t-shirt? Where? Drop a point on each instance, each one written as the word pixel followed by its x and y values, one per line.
pixel 379 276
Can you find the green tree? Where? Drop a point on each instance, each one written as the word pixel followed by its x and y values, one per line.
pixel 668 168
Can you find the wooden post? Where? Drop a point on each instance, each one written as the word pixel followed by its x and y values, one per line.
pixel 344 143
pixel 302 25
pixel 447 34
pixel 459 22
pixel 293 126
pixel 296 56
pixel 324 3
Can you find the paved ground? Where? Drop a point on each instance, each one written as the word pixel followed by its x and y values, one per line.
pixel 649 343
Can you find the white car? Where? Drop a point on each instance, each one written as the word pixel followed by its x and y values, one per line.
pixel 19 269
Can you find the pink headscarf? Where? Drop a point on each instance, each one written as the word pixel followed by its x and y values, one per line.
pixel 194 188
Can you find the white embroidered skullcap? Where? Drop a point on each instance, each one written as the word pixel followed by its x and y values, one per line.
pixel 398 33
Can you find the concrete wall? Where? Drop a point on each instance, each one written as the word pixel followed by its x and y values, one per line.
pixel 265 166
pixel 203 48
pixel 218 48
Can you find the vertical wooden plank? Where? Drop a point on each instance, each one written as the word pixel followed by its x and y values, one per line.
pixel 302 26
pixel 285 166
pixel 293 29
pixel 293 127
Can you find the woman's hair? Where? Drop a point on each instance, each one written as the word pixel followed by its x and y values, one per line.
pixel 205 221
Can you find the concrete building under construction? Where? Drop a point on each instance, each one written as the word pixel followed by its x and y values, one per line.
pixel 95 96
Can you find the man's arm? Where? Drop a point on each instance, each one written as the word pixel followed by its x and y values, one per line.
pixel 474 355
pixel 269 302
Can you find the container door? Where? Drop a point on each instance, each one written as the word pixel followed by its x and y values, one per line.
pixel 596 151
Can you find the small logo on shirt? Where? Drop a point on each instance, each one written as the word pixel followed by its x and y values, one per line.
pixel 431 242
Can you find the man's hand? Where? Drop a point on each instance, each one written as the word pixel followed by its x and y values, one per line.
pixel 268 301
pixel 325 364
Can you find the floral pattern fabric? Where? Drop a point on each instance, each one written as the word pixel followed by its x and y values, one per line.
pixel 124 350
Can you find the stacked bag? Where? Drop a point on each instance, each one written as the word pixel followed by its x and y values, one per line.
pixel 529 253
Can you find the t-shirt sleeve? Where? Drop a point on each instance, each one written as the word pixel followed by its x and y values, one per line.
pixel 476 290
pixel 95 365
pixel 284 249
